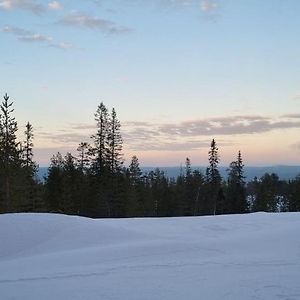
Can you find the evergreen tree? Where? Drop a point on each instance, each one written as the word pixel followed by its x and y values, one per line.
pixel 83 159
pixel 213 177
pixel 99 151
pixel 99 179
pixel 135 172
pixel 293 194
pixel 69 203
pixel 29 170
pixel 236 191
pixel 114 166
pixel 115 144
pixel 198 184
pixel 9 152
pixel 159 203
pixel 54 184
pixel 27 149
pixel 189 196
pixel 267 193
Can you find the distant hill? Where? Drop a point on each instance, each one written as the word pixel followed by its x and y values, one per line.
pixel 284 172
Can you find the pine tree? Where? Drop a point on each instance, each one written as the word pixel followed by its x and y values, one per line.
pixel 54 183
pixel 115 144
pixel 29 169
pixel 135 172
pixel 69 203
pixel 189 197
pixel 83 159
pixel 267 194
pixel 293 192
pixel 9 151
pixel 135 203
pixel 213 176
pixel 236 191
pixel 114 166
pixel 99 151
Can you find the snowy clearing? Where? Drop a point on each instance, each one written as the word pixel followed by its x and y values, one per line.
pixel 254 256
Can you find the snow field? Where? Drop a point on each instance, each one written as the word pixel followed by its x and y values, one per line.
pixel 253 256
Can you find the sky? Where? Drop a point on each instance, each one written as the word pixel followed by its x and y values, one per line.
pixel 178 72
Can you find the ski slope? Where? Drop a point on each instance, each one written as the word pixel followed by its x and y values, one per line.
pixel 254 256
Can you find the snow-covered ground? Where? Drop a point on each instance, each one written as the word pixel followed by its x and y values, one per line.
pixel 255 256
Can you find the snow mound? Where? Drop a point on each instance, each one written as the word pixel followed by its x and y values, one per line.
pixel 47 256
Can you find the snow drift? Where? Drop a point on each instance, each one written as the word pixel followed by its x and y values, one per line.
pixel 255 256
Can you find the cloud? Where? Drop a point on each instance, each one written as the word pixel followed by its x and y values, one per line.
pixel 35 38
pixel 17 31
pixel 291 116
pixel 7 4
pixel 208 6
pixel 55 5
pixel 297 97
pixel 87 21
pixel 28 5
pixel 81 126
pixel 28 36
pixel 170 145
pixel 296 146
pixel 143 135
pixel 67 138
pixel 62 46
pixel 229 126
pixel 184 136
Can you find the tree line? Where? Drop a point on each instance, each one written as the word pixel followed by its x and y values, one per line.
pixel 95 183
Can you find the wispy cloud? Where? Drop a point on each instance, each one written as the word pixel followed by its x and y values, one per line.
pixel 208 6
pixel 84 20
pixel 297 97
pixel 55 5
pixel 28 36
pixel 185 136
pixel 62 45
pixel 144 135
pixel 296 146
pixel 28 5
pixel 291 116
pixel 204 6
pixel 63 138
pixel 230 126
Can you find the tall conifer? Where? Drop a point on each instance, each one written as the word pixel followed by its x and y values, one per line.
pixel 9 150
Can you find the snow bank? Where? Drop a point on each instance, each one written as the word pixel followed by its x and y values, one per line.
pixel 255 256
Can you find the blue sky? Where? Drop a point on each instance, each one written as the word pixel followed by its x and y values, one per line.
pixel 178 72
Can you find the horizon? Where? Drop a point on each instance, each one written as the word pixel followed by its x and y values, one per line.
pixel 179 73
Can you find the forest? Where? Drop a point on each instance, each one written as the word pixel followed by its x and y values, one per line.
pixel 96 183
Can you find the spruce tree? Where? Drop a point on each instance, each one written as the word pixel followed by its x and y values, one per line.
pixel 114 166
pixel 99 151
pixel 54 183
pixel 69 203
pixel 268 193
pixel 9 151
pixel 135 172
pixel 83 158
pixel 236 191
pixel 189 197
pixel 213 177
pixel 29 169
pixel 115 144
pixel 135 204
